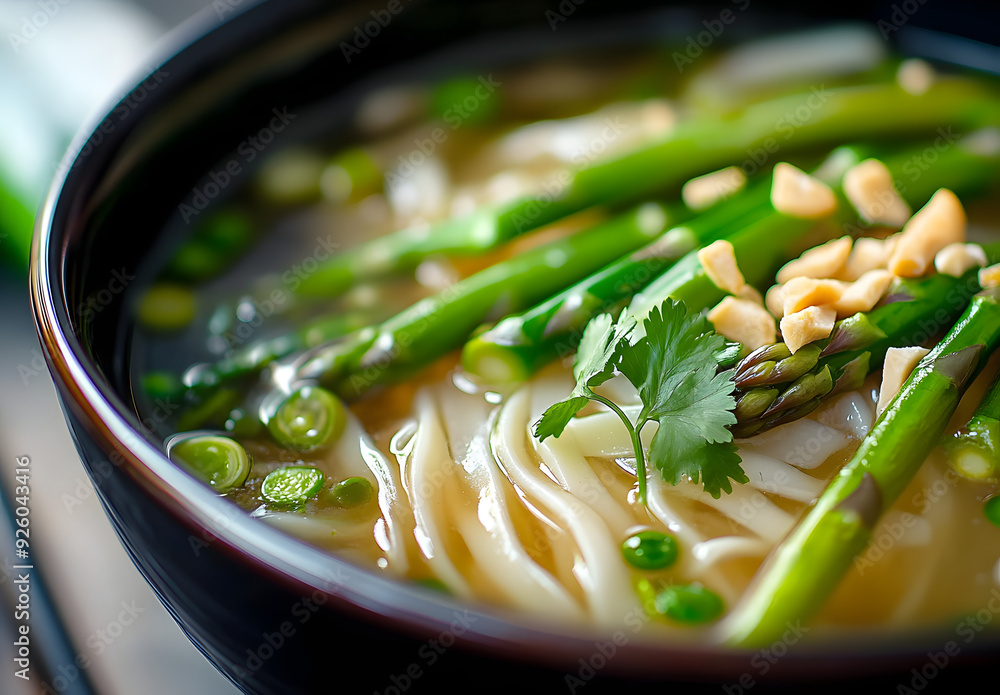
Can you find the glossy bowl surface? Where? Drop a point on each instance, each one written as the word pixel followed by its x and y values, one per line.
pixel 274 614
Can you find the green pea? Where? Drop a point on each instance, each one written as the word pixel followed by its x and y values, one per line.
pixel 219 461
pixel 291 177
pixel 465 100
pixel 308 419
pixel 163 385
pixel 691 604
pixel 351 493
pixel 227 231
pixel 650 550
pixel 291 486
pixel 195 261
pixel 351 176
pixel 166 308
pixel 243 423
pixel 992 510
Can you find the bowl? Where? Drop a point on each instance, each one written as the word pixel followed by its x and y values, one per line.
pixel 272 613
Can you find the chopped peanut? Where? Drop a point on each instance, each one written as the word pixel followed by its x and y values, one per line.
pixel 868 254
pixel 937 224
pixel 869 187
pixel 705 191
pixel 750 293
pixel 955 259
pixel 899 364
pixel 825 261
pixel 990 277
pixel 864 293
pixel 796 193
pixel 774 300
pixel 802 292
pixel 719 261
pixel 744 321
pixel 803 327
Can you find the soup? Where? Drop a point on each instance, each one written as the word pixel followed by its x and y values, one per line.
pixel 598 338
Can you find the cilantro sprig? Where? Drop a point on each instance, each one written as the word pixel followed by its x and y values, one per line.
pixel 674 362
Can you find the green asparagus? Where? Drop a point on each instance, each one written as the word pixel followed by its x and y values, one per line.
pixel 425 331
pixel 748 136
pixel 762 237
pixel 520 344
pixel 806 567
pixel 784 387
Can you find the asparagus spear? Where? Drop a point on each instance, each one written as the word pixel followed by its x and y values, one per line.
pixel 775 387
pixel 694 147
pixel 522 343
pixel 433 326
pixel 806 567
pixel 973 450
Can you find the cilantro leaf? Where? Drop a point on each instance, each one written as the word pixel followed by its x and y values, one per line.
pixel 674 370
pixel 693 457
pixel 595 364
pixel 673 361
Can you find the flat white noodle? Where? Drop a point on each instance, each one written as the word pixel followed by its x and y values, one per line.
pixel 747 507
pixel 602 435
pixel 425 473
pixel 660 500
pixel 355 455
pixel 716 550
pixel 600 572
pixel 777 477
pixel 851 413
pixel 940 517
pixel 803 443
pixel 492 538
pixel 578 477
pixel 312 528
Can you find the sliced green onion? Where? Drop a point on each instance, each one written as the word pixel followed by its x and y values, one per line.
pixel 308 419
pixel 219 461
pixel 291 486
pixel 650 550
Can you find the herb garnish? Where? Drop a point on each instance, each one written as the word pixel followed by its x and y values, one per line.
pixel 674 366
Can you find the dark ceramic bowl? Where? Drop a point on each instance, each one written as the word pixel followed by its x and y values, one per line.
pixel 272 613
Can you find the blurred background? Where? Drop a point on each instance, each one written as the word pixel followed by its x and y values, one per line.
pixel 61 63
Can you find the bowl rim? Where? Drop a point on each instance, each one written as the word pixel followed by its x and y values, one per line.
pixel 283 558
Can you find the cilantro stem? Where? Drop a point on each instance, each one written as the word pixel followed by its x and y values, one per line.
pixel 633 432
